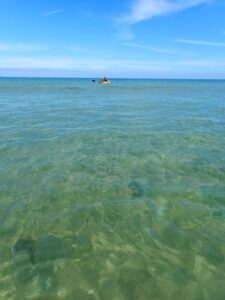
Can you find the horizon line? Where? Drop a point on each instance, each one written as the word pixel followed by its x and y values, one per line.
pixel 116 78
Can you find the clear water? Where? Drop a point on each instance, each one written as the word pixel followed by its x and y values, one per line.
pixel 112 192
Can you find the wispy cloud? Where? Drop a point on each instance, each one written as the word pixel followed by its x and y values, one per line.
pixel 155 49
pixel 211 63
pixel 89 51
pixel 50 63
pixel 73 48
pixel 203 43
pixel 70 63
pixel 55 63
pixel 53 12
pixel 147 9
pixel 21 47
pixel 69 66
pixel 77 49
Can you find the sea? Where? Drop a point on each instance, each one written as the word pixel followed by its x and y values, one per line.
pixel 112 191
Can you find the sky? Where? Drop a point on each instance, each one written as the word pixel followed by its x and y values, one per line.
pixel 117 38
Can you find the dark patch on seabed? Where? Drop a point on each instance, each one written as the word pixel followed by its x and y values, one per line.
pixel 136 188
pixel 46 248
pixel 26 247
pixel 35 258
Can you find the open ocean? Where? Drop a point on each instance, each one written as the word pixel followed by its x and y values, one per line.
pixel 112 192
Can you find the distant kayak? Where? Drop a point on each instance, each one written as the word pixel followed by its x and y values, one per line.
pixel 104 82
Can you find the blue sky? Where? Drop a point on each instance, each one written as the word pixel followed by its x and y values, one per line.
pixel 129 38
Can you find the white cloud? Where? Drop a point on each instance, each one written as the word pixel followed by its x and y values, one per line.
pixel 53 12
pixel 78 49
pixel 204 63
pixel 68 66
pixel 128 66
pixel 21 47
pixel 54 63
pixel 147 9
pixel 68 63
pixel 203 43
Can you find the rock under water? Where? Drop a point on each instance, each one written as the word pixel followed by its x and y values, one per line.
pixel 137 190
pixel 49 247
pixel 24 249
pixel 46 248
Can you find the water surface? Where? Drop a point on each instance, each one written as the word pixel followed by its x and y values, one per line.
pixel 112 192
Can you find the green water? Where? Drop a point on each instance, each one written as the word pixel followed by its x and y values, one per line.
pixel 112 192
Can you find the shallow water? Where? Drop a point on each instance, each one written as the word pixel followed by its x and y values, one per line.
pixel 112 192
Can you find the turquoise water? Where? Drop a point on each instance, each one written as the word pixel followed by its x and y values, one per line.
pixel 112 192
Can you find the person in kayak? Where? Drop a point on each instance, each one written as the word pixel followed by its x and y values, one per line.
pixel 104 79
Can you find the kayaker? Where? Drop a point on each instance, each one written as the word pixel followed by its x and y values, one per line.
pixel 104 79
